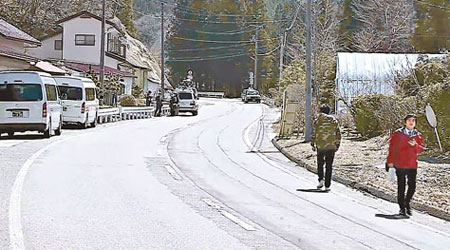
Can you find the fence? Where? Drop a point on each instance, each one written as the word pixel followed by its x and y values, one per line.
pixel 129 113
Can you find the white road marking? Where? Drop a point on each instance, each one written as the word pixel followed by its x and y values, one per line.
pixel 229 215
pixel 238 221
pixel 172 172
pixel 15 223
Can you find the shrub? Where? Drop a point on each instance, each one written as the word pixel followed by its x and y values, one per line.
pixel 438 97
pixel 378 114
pixel 128 101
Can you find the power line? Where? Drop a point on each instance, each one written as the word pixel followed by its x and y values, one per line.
pixel 223 33
pixel 223 41
pixel 211 48
pixel 205 58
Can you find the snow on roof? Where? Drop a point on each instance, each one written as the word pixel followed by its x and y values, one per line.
pixel 12 32
pixel 375 66
pixel 48 67
pixel 373 73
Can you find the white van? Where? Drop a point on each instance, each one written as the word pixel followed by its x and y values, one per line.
pixel 79 100
pixel 187 101
pixel 29 102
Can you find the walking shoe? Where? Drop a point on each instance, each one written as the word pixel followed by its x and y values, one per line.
pixel 327 188
pixel 321 183
pixel 408 209
pixel 402 212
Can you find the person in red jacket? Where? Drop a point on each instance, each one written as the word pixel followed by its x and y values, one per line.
pixel 404 146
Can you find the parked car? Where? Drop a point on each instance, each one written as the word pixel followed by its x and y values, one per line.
pixel 252 95
pixel 79 100
pixel 187 101
pixel 29 101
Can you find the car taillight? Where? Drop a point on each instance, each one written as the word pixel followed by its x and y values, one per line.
pixel 44 110
pixel 83 107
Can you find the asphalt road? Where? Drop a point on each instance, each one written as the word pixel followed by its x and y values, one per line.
pixel 213 181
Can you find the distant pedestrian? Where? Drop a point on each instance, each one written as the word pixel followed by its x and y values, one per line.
pixel 158 106
pixel 148 98
pixel 405 144
pixel 326 139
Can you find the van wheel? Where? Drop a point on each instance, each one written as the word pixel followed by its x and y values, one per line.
pixel 10 134
pixel 94 123
pixel 58 131
pixel 48 131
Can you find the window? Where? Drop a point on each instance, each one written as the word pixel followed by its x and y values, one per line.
pixel 186 96
pixel 90 94
pixel 51 92
pixel 20 92
pixel 85 40
pixel 58 44
pixel 70 93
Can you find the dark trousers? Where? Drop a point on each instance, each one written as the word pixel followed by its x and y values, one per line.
pixel 158 110
pixel 402 173
pixel 325 156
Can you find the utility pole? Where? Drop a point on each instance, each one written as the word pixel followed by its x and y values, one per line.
pixel 308 121
pixel 283 41
pixel 102 47
pixel 256 59
pixel 162 49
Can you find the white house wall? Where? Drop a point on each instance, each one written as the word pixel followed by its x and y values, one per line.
pixel 47 50
pixel 128 83
pixel 111 62
pixel 82 26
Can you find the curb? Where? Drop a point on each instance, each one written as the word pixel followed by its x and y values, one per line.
pixel 365 188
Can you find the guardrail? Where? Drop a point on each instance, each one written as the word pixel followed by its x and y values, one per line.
pixel 128 113
pixel 108 115
pixel 211 94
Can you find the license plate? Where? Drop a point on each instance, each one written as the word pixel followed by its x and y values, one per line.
pixel 17 114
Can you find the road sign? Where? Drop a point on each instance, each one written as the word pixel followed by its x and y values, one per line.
pixel 431 117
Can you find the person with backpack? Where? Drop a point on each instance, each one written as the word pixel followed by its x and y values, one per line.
pixel 404 146
pixel 326 139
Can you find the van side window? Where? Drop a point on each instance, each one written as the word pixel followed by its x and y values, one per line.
pixel 51 92
pixel 90 94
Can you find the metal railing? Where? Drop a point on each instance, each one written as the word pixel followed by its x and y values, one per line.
pixel 108 115
pixel 129 113
pixel 211 94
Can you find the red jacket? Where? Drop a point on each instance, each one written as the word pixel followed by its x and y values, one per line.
pixel 401 153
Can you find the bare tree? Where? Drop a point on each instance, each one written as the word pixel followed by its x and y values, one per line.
pixel 386 25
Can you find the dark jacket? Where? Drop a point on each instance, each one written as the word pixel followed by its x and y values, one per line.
pixel 401 153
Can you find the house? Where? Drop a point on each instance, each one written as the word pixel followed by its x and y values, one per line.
pixel 371 73
pixel 77 45
pixel 13 55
